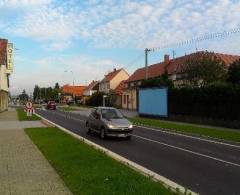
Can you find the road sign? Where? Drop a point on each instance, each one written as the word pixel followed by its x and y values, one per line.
pixel 29 108
pixel 29 105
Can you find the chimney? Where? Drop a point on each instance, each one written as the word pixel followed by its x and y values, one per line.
pixel 114 70
pixel 166 59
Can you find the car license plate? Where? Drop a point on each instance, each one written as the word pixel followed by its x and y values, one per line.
pixel 123 135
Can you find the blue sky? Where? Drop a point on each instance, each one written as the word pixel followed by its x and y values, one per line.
pixel 92 37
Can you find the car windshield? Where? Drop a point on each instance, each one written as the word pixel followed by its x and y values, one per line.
pixel 111 114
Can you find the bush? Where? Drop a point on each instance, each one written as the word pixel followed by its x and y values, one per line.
pixel 96 99
pixel 160 81
pixel 234 73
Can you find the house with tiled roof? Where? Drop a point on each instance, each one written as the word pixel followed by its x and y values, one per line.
pixel 174 68
pixel 72 93
pixel 111 80
pixel 119 93
pixel 91 88
pixel 6 68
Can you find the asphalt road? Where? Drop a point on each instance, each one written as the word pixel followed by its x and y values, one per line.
pixel 200 165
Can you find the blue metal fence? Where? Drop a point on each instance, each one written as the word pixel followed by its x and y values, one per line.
pixel 153 101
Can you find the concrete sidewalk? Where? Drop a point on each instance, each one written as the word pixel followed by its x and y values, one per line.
pixel 23 168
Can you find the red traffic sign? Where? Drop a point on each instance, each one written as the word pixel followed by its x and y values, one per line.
pixel 29 105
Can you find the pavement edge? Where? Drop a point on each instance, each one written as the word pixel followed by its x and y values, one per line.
pixel 144 171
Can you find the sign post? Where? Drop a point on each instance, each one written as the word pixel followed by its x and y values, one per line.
pixel 29 108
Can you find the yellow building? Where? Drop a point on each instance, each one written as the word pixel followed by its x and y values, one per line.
pixel 6 68
pixel 129 99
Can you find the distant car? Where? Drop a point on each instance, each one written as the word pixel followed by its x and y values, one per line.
pixel 51 105
pixel 108 121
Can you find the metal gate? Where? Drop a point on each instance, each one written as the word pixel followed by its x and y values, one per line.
pixel 153 102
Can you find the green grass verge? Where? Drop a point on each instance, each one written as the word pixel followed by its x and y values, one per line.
pixel 22 116
pixel 86 170
pixel 67 109
pixel 225 134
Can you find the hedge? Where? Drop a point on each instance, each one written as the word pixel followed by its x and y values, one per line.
pixel 216 102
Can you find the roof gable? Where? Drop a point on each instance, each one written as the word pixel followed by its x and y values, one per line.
pixel 91 85
pixel 112 74
pixel 119 89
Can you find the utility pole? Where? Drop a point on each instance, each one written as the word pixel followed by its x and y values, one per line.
pixel 146 62
pixel 173 53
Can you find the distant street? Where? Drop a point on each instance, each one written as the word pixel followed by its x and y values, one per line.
pixel 202 166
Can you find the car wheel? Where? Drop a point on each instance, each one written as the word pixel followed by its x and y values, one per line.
pixel 102 133
pixel 88 128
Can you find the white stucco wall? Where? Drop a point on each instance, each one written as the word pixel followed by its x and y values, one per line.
pixel 121 76
pixel 3 78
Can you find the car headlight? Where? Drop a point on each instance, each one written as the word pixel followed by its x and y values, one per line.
pixel 130 127
pixel 110 126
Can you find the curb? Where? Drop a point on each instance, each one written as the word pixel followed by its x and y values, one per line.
pixel 144 171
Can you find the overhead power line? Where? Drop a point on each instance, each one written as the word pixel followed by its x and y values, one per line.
pixel 210 36
pixel 136 59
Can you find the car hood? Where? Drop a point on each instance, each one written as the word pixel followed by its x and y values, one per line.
pixel 118 122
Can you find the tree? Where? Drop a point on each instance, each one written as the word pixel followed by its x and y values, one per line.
pixel 46 93
pixel 56 86
pixel 96 99
pixel 203 69
pixel 234 73
pixel 36 93
pixel 161 81
pixel 24 96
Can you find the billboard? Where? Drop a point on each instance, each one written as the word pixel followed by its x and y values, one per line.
pixel 153 101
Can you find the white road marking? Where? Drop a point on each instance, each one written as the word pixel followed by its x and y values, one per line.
pixel 188 136
pixel 186 150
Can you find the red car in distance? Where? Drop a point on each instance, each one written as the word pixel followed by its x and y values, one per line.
pixel 51 105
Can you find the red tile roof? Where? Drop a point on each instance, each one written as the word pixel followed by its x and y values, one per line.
pixel 91 85
pixel 119 89
pixel 3 51
pixel 111 75
pixel 175 66
pixel 74 90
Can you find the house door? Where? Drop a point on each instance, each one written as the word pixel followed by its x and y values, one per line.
pixel 128 102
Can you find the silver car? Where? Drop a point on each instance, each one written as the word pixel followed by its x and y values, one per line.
pixel 108 121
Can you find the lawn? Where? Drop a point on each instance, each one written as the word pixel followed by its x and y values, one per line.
pixel 22 116
pixel 225 134
pixel 86 170
pixel 67 109
pixel 74 108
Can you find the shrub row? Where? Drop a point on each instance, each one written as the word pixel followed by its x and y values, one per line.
pixel 216 102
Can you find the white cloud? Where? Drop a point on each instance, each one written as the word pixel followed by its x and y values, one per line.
pixel 123 23
pixel 22 3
